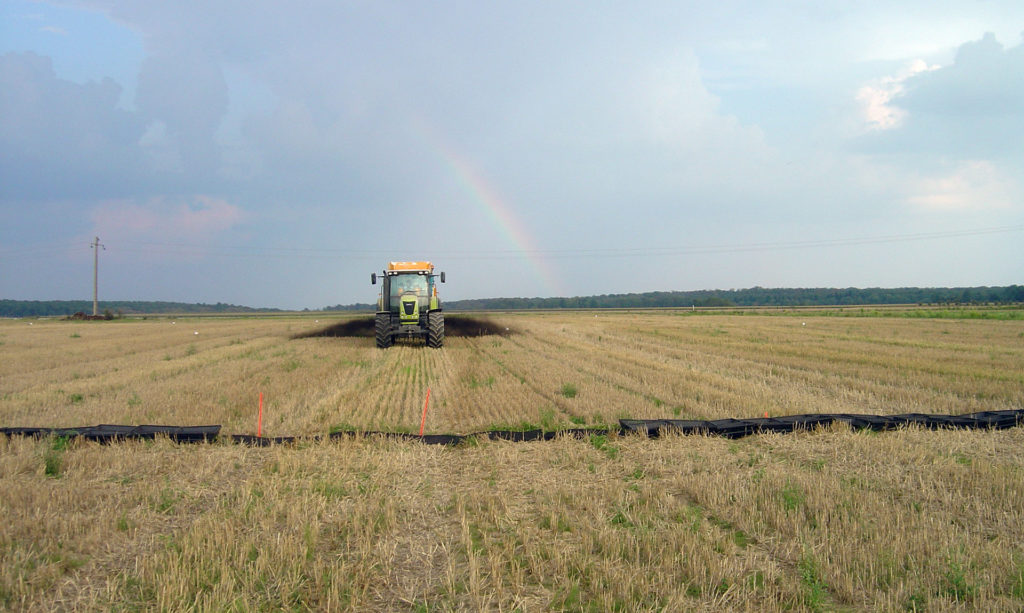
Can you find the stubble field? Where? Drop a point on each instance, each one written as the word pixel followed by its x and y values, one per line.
pixel 824 520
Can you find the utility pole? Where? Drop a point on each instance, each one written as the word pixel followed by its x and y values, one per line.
pixel 96 274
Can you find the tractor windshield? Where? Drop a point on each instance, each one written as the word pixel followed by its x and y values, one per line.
pixel 415 285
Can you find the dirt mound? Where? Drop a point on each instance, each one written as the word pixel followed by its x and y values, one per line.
pixel 454 325
pixel 350 327
pixel 80 316
pixel 462 325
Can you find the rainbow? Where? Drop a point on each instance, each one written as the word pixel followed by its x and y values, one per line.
pixel 498 212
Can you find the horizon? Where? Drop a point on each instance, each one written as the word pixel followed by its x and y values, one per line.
pixel 344 306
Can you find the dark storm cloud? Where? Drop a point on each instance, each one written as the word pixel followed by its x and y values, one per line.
pixel 985 79
pixel 970 109
pixel 59 138
pixel 187 96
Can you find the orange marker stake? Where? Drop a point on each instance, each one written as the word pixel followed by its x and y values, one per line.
pixel 259 422
pixel 423 421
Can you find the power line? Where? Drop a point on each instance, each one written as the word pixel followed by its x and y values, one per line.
pixel 41 252
pixel 46 251
pixel 604 252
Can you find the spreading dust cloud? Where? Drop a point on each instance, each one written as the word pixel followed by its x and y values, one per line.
pixel 454 325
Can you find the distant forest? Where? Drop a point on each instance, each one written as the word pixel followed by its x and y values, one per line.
pixel 755 296
pixel 49 308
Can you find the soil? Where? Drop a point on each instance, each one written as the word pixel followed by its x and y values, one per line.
pixel 454 325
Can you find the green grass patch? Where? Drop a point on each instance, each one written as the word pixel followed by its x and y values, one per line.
pixel 916 602
pixel 522 426
pixel 621 519
pixel 52 464
pixel 815 590
pixel 342 427
pixel 475 383
pixel 1010 313
pixel 1018 580
pixel 53 459
pixel 331 491
pixel 548 420
pixel 600 442
pixel 569 390
pixel 955 583
pixel 792 496
pixel 962 459
pixel 165 501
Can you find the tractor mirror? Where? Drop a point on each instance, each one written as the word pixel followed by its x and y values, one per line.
pixel 442 277
pixel 373 278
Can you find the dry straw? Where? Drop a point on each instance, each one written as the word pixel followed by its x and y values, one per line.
pixel 825 520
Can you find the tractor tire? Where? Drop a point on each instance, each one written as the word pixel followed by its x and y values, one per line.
pixel 382 329
pixel 435 329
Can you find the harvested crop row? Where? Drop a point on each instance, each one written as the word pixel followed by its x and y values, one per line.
pixel 551 369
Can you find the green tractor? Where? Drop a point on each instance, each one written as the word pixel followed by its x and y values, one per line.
pixel 408 306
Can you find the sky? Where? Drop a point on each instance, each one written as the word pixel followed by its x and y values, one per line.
pixel 275 154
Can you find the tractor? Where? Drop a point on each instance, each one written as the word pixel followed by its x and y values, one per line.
pixel 408 306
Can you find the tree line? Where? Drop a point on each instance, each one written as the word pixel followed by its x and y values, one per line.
pixel 56 308
pixel 754 296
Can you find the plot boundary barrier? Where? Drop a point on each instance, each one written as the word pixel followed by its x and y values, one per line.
pixel 109 432
pixel 736 428
pixel 653 428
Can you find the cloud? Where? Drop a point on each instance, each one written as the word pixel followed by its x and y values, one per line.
pixel 675 124
pixel 160 149
pixel 971 109
pixel 876 98
pixel 187 95
pixel 970 186
pixel 59 138
pixel 186 219
pixel 985 79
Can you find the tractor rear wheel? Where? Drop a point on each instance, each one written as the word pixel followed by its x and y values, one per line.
pixel 435 329
pixel 382 330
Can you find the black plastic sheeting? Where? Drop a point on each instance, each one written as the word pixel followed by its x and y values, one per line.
pixel 196 434
pixel 430 439
pixel 106 433
pixel 736 428
pixel 730 428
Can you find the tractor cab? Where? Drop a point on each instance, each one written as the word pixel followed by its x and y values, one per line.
pixel 408 304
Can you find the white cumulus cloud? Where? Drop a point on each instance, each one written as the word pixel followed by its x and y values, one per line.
pixel 876 97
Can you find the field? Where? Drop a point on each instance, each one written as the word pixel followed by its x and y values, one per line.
pixel 825 520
